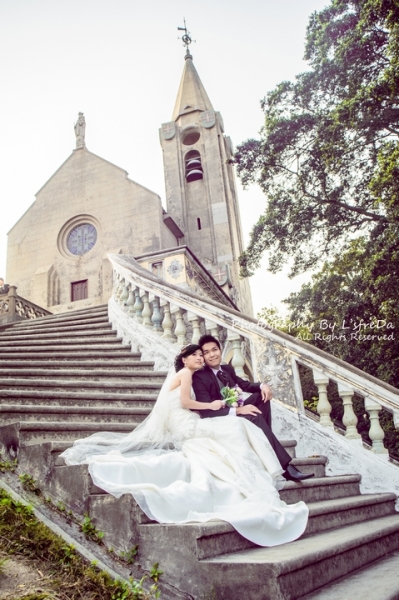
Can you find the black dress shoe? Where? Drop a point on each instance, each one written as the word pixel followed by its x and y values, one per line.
pixel 292 474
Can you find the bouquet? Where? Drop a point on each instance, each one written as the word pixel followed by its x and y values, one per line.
pixel 232 396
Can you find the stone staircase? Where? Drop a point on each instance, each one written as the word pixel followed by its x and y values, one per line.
pixel 66 376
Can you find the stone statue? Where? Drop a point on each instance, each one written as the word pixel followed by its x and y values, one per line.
pixel 80 128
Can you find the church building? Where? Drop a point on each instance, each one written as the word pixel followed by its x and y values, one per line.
pixel 57 251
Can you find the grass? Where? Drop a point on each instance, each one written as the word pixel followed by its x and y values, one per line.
pixel 68 576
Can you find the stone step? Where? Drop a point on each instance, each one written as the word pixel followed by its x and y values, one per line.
pixel 9 385
pixel 33 327
pixel 292 570
pixel 114 344
pixel 88 374
pixel 58 334
pixel 129 362
pixel 321 488
pixel 331 514
pixel 365 507
pixel 99 325
pixel 221 538
pixel 75 316
pixel 376 581
pixel 21 397
pixel 58 354
pixel 63 430
pixel 74 414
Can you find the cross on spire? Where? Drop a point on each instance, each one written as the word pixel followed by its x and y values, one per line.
pixel 186 38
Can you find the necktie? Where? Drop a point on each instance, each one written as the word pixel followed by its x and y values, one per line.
pixel 222 377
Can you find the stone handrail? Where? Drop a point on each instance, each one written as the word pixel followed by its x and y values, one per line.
pixel 15 308
pixel 253 347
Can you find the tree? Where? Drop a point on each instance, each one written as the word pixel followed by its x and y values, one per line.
pixel 327 158
pixel 351 306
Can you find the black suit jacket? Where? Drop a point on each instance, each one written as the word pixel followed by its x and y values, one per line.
pixel 206 388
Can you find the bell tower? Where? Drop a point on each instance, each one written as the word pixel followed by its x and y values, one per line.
pixel 200 183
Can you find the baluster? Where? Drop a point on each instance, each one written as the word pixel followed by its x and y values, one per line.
pixel 180 329
pixel 119 289
pixel 115 283
pixel 138 306
pixel 167 323
pixel 349 419
pixel 238 360
pixel 146 313
pixel 376 433
pixel 194 319
pixel 156 315
pixel 124 295
pixel 12 300
pixel 130 301
pixel 323 406
pixel 213 328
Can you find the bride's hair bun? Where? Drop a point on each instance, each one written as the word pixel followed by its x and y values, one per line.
pixel 186 350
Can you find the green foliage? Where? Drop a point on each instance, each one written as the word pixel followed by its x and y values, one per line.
pixel 155 572
pixel 351 309
pixel 327 159
pixel 8 465
pixel 90 530
pixel 29 483
pixel 22 534
pixel 130 555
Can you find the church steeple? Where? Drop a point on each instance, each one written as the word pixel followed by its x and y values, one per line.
pixel 200 183
pixel 191 95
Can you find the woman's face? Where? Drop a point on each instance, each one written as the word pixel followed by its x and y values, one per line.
pixel 194 361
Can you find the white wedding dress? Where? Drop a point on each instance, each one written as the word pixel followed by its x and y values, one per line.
pixel 219 468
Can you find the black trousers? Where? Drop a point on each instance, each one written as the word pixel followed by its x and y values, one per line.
pixel 264 422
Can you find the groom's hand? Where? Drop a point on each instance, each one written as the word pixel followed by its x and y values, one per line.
pixel 266 392
pixel 248 409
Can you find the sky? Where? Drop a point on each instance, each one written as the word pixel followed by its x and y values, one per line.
pixel 120 63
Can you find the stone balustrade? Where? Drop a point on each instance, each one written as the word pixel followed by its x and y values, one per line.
pixel 15 308
pixel 255 349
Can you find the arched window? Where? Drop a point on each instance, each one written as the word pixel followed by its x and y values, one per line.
pixel 193 166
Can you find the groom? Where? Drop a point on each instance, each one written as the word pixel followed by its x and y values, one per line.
pixel 207 384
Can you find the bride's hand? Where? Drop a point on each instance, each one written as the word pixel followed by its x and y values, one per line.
pixel 216 405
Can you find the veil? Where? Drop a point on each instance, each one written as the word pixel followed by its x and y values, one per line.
pixel 150 436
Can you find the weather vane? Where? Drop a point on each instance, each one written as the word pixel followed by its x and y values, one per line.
pixel 186 38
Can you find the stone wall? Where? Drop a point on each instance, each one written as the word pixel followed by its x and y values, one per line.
pixel 86 189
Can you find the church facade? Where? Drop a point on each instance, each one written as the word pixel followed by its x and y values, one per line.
pixel 57 251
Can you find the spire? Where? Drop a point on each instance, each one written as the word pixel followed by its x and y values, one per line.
pixel 191 95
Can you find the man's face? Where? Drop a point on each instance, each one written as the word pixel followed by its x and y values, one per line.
pixel 212 355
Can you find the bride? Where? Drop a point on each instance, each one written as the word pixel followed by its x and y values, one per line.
pixel 181 468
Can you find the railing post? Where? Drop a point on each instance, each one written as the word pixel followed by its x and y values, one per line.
pixel 119 289
pixel 323 406
pixel 156 315
pixel 138 306
pixel 194 319
pixel 213 328
pixel 146 313
pixel 180 329
pixel 12 300
pixel 237 361
pixel 167 323
pixel 124 295
pixel 130 300
pixel 376 433
pixel 349 419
